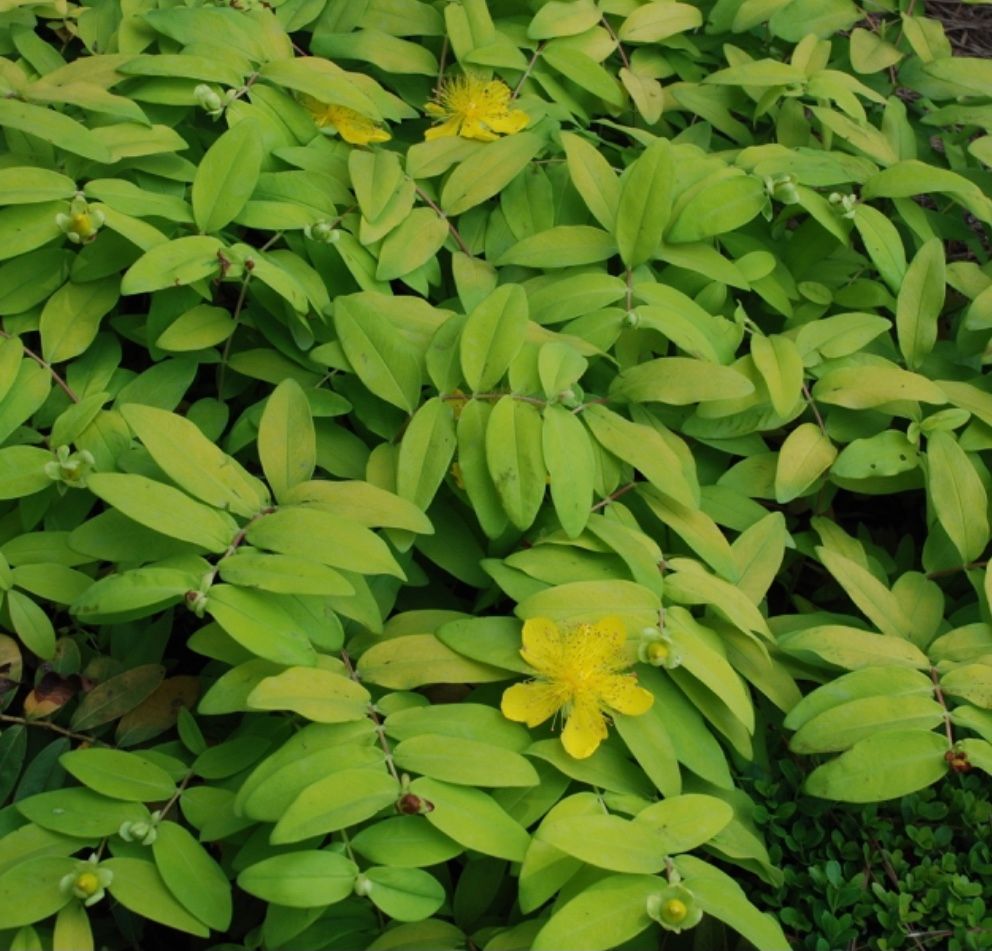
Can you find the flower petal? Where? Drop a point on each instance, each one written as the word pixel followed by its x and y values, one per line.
pixel 446 128
pixel 600 645
pixel 509 122
pixel 543 645
pixel 531 703
pixel 621 693
pixel 585 728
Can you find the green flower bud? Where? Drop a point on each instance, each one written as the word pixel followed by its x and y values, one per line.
pixel 674 908
pixel 656 648
pixel 88 882
pixel 362 886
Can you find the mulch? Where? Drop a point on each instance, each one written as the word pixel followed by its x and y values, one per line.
pixel 968 25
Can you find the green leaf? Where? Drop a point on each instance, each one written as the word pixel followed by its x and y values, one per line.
pixel 415 242
pixel 465 762
pixel 869 682
pixel 472 818
pixel 413 660
pixel 405 894
pixel 471 436
pixel 880 767
pixel 287 441
pixel 425 452
pixel 321 79
pixel 72 930
pixel 878 604
pixel 319 695
pixel 958 495
pixel 582 602
pixel 54 127
pixel 584 71
pixel 119 775
pixel 344 798
pixel 23 184
pixel 568 454
pixel 645 449
pixel 645 204
pixel 380 357
pixel 723 205
pixel 593 178
pixel 194 462
pixel 80 812
pixel 883 244
pixel 853 648
pixel 685 822
pixel 972 682
pixel 487 171
pixel 283 574
pixel 22 471
pixel 32 625
pixel 561 246
pixel 842 726
pixel 658 21
pixel 679 381
pixel 200 327
pixel 192 876
pixel 310 532
pixel 175 263
pixel 920 303
pixel 404 842
pixel 302 879
pixel 492 336
pixel 606 841
pixel 139 887
pixel 164 509
pixel 259 624
pixel 603 916
pixel 29 891
pixel 854 388
pixel 805 455
pixel 515 456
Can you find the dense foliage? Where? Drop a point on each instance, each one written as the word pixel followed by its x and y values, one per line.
pixel 426 427
pixel 904 874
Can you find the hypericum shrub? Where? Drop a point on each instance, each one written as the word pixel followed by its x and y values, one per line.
pixel 384 385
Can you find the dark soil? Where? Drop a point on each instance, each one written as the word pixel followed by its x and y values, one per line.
pixel 968 25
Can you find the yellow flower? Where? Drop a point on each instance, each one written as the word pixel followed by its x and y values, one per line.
pixel 474 108
pixel 578 672
pixel 352 126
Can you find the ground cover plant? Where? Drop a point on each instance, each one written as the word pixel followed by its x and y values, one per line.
pixel 440 443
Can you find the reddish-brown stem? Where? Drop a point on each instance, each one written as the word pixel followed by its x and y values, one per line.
pixel 44 364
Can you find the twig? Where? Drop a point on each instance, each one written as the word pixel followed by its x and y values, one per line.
pixel 376 722
pixel 54 727
pixel 613 496
pixel 616 39
pixel 175 796
pixel 814 408
pixel 427 200
pixel 528 69
pixel 939 694
pixel 225 354
pixel 44 364
pixel 942 572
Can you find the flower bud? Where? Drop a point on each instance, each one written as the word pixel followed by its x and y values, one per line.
pixel 674 908
pixel 656 648
pixel 82 223
pixel 209 100
pixel 88 882
pixel 362 886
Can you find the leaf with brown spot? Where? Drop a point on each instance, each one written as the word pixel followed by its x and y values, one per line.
pixel 159 711
pixel 119 695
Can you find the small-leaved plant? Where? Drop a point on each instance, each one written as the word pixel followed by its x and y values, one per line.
pixel 426 426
